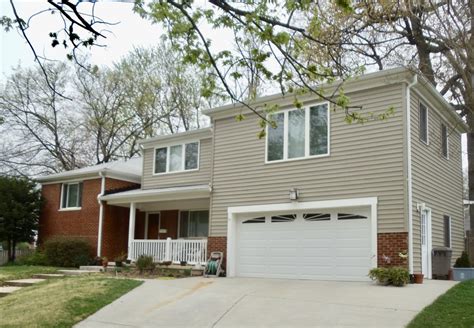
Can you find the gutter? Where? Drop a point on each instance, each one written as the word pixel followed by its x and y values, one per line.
pixel 409 175
pixel 101 213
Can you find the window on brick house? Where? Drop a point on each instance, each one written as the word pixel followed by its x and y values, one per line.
pixel 71 195
pixel 193 224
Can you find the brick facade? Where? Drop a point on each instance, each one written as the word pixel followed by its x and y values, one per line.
pixel 217 244
pixel 389 246
pixel 84 223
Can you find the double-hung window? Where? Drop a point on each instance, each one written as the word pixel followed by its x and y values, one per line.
pixel 423 123
pixel 444 141
pixel 71 195
pixel 176 158
pixel 298 133
pixel 193 224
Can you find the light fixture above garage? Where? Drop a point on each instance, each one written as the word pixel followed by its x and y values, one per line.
pixel 294 194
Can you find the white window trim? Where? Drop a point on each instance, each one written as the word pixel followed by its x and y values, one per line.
pixel 72 208
pixel 427 142
pixel 189 211
pixel 447 140
pixel 307 128
pixel 183 160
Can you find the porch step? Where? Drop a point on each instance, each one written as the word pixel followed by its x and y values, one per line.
pixel 76 272
pixel 48 275
pixel 23 282
pixel 7 290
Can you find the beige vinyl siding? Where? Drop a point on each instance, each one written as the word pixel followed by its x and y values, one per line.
pixel 182 178
pixel 437 182
pixel 366 160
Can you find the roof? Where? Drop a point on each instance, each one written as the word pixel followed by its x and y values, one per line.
pixel 366 81
pixel 158 194
pixel 128 170
pixel 177 137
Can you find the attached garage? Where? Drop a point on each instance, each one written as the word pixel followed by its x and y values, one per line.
pixel 309 241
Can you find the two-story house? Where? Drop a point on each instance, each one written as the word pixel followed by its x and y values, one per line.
pixel 316 198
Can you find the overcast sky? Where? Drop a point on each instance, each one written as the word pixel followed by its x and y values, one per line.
pixel 131 30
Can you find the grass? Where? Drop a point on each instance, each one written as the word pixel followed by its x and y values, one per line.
pixel 455 308
pixel 11 272
pixel 61 302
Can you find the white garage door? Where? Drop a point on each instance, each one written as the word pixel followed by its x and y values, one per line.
pixel 322 245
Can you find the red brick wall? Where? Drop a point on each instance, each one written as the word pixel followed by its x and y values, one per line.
pixel 217 244
pixel 389 246
pixel 84 223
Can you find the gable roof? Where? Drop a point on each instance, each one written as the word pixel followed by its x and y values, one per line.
pixel 128 170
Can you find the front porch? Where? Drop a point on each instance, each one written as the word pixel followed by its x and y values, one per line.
pixel 168 224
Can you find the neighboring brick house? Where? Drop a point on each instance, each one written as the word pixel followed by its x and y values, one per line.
pixel 71 206
pixel 316 198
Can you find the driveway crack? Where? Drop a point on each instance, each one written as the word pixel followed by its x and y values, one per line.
pixel 229 309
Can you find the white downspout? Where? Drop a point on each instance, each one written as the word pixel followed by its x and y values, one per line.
pixel 101 214
pixel 409 176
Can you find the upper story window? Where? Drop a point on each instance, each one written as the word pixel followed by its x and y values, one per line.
pixel 423 121
pixel 175 158
pixel 71 195
pixel 299 133
pixel 444 141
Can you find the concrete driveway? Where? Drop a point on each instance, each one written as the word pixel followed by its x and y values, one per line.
pixel 245 302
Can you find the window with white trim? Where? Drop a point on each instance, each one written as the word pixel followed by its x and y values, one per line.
pixel 71 195
pixel 193 224
pixel 447 230
pixel 444 141
pixel 298 133
pixel 176 158
pixel 423 123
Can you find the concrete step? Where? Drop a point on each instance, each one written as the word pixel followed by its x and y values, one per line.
pixel 7 290
pixel 95 268
pixel 48 275
pixel 76 272
pixel 23 282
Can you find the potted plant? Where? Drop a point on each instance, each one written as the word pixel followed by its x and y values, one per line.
pixel 462 268
pixel 105 263
pixel 418 278
pixel 119 259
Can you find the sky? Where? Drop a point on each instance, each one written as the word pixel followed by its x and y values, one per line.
pixel 129 31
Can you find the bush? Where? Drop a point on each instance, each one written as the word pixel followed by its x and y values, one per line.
pixel 462 261
pixel 35 258
pixel 67 252
pixel 390 276
pixel 145 262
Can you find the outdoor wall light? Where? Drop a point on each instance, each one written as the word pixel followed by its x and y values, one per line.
pixel 294 194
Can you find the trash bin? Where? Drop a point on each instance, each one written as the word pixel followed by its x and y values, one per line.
pixel 441 262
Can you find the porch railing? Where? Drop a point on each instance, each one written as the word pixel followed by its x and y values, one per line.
pixel 175 250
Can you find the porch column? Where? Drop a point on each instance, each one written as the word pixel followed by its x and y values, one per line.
pixel 131 228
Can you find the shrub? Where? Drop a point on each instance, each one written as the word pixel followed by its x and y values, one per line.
pixel 35 258
pixel 67 252
pixel 462 261
pixel 390 276
pixel 145 262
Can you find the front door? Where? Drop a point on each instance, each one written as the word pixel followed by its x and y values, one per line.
pixel 153 224
pixel 168 224
pixel 425 227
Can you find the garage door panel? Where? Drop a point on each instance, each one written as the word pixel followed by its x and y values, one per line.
pixel 302 249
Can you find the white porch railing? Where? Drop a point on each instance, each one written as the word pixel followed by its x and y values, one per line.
pixel 175 250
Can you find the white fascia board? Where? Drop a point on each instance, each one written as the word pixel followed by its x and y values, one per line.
pixel 153 195
pixel 298 206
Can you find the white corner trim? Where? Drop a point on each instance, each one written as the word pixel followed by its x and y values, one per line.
pixel 232 213
pixel 409 173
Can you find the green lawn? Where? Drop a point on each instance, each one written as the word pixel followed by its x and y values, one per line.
pixel 455 308
pixel 61 302
pixel 11 272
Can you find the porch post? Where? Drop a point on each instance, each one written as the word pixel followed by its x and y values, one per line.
pixel 131 229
